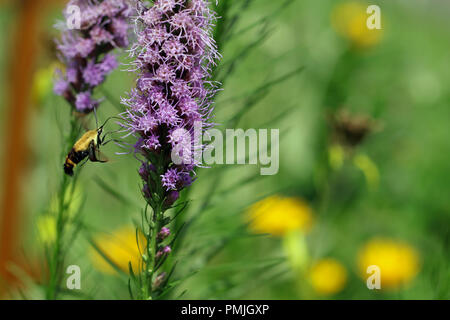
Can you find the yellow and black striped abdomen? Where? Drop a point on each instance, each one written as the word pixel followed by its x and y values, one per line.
pixel 72 159
pixel 80 151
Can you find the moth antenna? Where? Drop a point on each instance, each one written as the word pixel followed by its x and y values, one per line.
pixel 106 121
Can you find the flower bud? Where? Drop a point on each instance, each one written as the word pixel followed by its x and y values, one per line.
pixel 164 233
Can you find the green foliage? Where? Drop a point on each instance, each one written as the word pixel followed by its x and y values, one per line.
pixel 284 67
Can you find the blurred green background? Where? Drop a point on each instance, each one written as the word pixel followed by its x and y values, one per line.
pixel 364 148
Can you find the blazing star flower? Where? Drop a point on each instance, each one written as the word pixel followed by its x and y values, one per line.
pixel 85 52
pixel 328 276
pixel 173 57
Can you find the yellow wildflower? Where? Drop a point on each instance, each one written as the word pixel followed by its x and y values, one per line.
pixel 46 223
pixel 280 215
pixel 120 248
pixel 349 19
pixel 42 82
pixel 398 262
pixel 328 276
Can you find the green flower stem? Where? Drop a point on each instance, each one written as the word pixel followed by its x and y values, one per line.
pixel 152 224
pixel 56 254
pixel 56 262
pixel 150 262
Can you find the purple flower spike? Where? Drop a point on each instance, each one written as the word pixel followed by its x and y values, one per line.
pixel 173 56
pixel 86 51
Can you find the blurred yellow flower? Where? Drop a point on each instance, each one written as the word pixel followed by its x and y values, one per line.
pixel 46 223
pixel 349 19
pixel 42 82
pixel 398 262
pixel 120 248
pixel 46 227
pixel 328 276
pixel 279 215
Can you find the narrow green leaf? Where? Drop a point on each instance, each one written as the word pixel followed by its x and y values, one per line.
pixel 130 290
pixel 108 189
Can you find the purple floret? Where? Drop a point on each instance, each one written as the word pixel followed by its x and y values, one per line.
pixel 84 102
pixel 93 74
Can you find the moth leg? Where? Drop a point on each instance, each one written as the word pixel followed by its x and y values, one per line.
pixel 91 150
pixel 93 153
pixel 84 162
pixel 111 140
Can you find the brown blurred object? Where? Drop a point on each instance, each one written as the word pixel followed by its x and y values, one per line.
pixel 23 53
pixel 351 129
